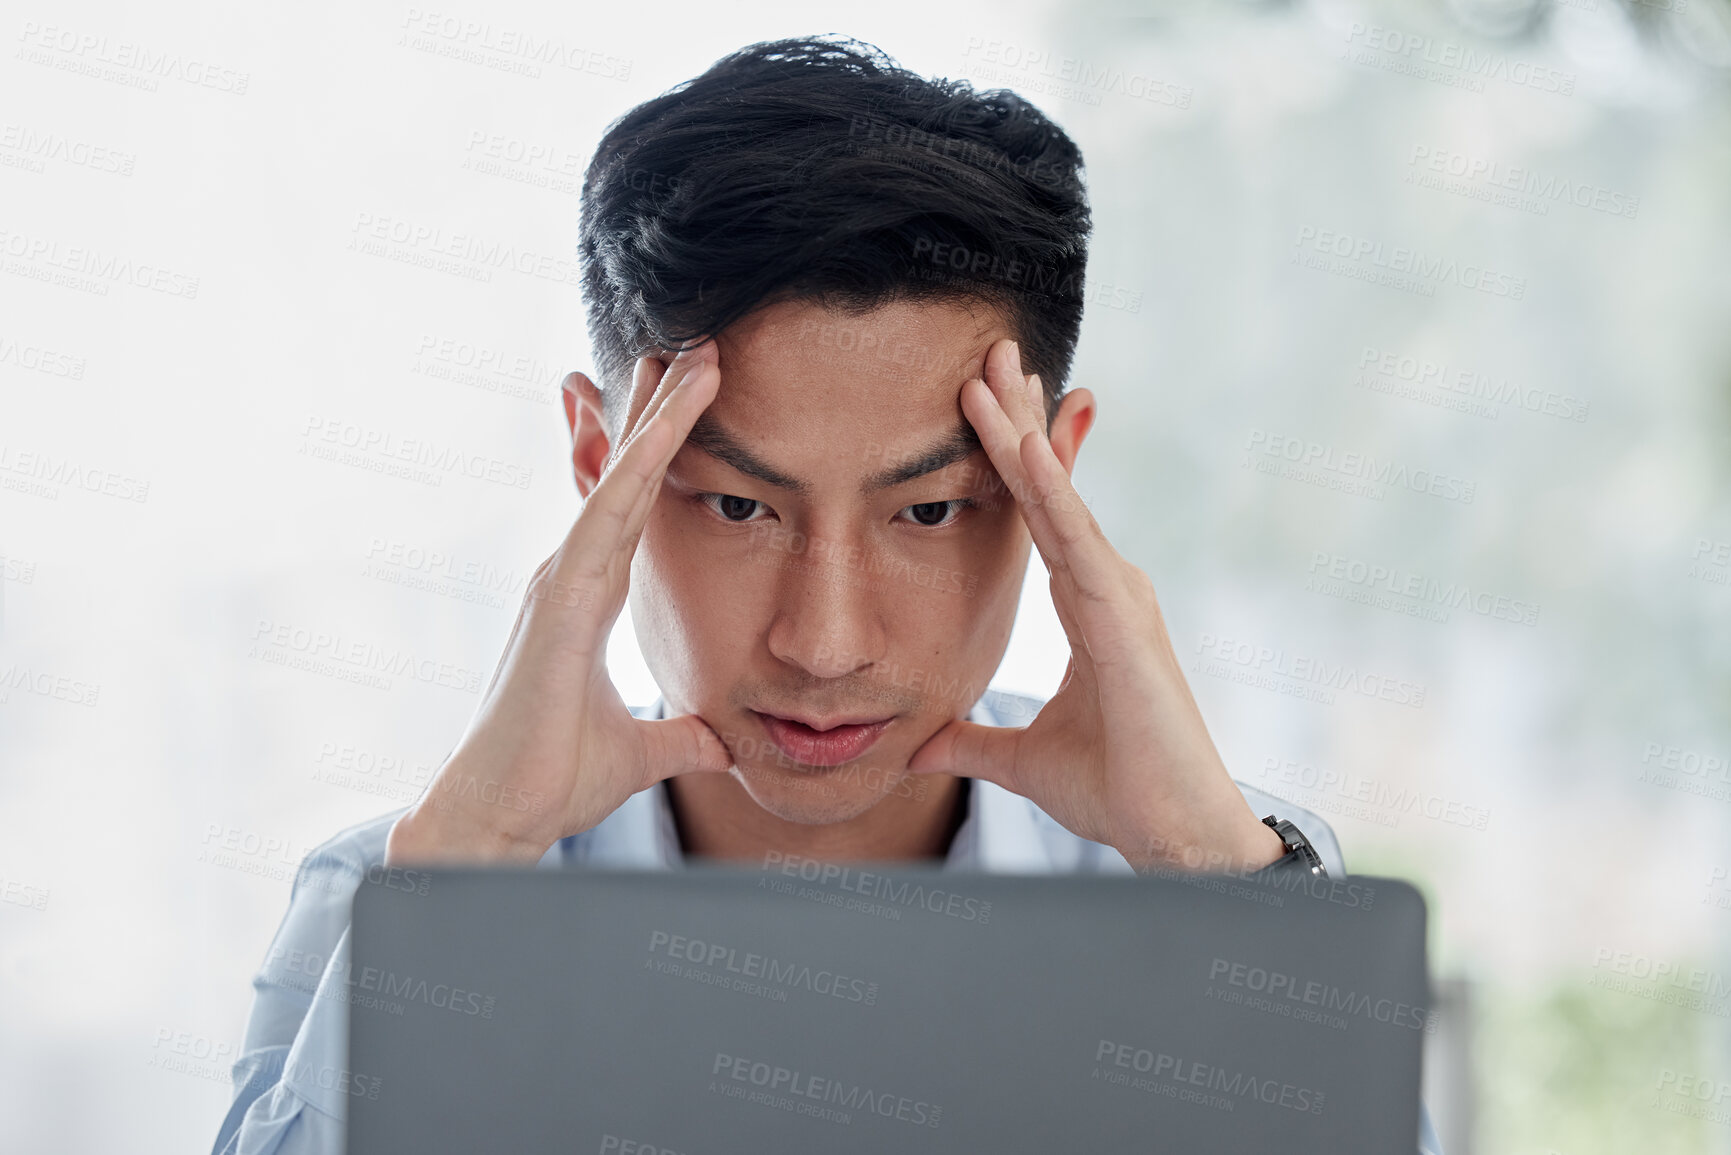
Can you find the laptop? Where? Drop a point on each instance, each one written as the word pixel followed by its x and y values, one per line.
pixel 808 1008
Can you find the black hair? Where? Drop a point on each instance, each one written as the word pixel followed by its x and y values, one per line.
pixel 820 169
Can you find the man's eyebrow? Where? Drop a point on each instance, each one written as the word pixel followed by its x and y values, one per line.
pixel 961 443
pixel 958 445
pixel 708 435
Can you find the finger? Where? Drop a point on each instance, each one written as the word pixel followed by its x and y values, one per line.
pixel 682 745
pixel 1070 541
pixel 516 629
pixel 1056 518
pixel 662 382
pixel 970 750
pixel 592 566
pixel 997 433
pixel 1022 400
pixel 1003 374
pixel 1063 599
pixel 647 375
pixel 627 488
pixel 682 398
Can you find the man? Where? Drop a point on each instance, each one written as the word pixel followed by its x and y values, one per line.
pixel 833 306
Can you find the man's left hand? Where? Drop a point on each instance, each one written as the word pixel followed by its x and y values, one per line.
pixel 1120 754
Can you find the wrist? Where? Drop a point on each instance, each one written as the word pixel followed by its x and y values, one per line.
pixel 1262 847
pixel 434 831
pixel 1247 847
pixel 1300 854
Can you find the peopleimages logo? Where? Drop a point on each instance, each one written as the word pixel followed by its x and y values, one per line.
pixel 16 569
pixel 470 580
pixel 1462 388
pixel 1372 580
pixel 1088 79
pixel 1009 267
pixel 136 65
pixel 322 651
pixel 1269 667
pixel 1326 997
pixel 413 242
pixel 1164 1074
pixel 880 135
pixel 1691 762
pixel 46 684
pixel 1514 186
pixel 1359 474
pixel 350 443
pixel 1690 1094
pixel 89 269
pixel 884 888
pixel 52 472
pixel 793 1090
pixel 35 148
pixel 1661 980
pixel 490 370
pixel 1399 266
pixel 1446 62
pixel 1710 560
pixel 615 1145
pixel 1382 802
pixel 775 545
pixel 40 359
pixel 779 973
pixel 23 894
pixel 504 47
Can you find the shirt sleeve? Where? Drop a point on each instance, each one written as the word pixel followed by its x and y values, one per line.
pixel 1428 1143
pixel 291 1085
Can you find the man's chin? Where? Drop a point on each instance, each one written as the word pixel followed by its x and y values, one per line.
pixel 820 796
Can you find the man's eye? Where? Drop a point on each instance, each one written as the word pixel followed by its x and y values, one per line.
pixel 932 514
pixel 732 508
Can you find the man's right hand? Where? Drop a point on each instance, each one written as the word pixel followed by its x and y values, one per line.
pixel 552 749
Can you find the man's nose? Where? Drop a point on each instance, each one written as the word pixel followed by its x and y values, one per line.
pixel 827 618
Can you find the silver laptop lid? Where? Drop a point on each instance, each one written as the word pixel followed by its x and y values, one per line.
pixel 831 1009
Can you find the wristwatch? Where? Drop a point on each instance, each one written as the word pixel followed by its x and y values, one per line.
pixel 1300 854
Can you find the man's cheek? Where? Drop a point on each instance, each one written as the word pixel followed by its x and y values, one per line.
pixel 684 613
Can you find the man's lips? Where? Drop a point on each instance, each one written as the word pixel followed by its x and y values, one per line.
pixel 817 742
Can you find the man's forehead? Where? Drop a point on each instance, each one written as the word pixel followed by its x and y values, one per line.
pixel 932 320
pixel 809 393
pixel 919 347
pixel 909 356
pixel 813 381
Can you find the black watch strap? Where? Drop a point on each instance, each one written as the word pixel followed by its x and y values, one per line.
pixel 1300 854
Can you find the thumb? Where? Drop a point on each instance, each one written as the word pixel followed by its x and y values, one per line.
pixel 682 745
pixel 970 750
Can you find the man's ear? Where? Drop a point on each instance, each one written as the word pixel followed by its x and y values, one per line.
pixel 1070 426
pixel 590 445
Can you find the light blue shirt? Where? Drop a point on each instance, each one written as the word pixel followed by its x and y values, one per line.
pixel 291 1095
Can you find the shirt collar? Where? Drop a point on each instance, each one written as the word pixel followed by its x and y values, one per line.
pixel 998 834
